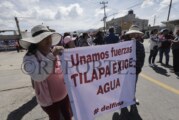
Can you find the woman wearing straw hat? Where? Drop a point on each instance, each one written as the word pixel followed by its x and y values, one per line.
pixel 43 65
pixel 135 34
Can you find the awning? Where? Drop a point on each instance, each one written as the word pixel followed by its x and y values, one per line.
pixel 174 22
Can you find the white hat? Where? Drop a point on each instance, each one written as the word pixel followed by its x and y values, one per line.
pixel 38 33
pixel 134 29
pixel 165 29
pixel 68 39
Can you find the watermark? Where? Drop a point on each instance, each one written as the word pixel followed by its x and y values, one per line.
pixel 34 67
pixel 28 67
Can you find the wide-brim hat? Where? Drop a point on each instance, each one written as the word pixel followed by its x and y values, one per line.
pixel 68 39
pixel 134 29
pixel 163 30
pixel 39 33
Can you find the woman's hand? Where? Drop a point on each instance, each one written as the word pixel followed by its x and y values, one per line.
pixel 57 50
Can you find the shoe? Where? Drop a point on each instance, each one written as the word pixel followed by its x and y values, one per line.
pixel 166 64
pixel 172 68
pixel 151 65
pixel 154 64
pixel 162 64
pixel 172 71
pixel 159 61
pixel 137 102
pixel 177 73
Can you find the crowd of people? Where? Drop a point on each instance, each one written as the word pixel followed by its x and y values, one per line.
pixel 163 42
pixel 50 88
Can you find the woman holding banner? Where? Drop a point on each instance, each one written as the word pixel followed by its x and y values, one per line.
pixel 43 65
pixel 135 34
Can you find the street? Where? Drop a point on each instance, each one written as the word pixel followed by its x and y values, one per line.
pixel 157 91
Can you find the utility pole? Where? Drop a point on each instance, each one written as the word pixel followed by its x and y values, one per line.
pixel 105 16
pixel 169 10
pixel 18 28
pixel 154 20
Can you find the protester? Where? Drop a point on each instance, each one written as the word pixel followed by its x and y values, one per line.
pixel 43 65
pixel 99 40
pixel 75 35
pixel 83 40
pixel 165 46
pixel 175 50
pixel 124 37
pixel 135 34
pixel 90 41
pixel 68 41
pixel 154 46
pixel 111 38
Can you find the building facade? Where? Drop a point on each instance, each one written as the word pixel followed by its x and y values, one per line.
pixel 173 25
pixel 123 23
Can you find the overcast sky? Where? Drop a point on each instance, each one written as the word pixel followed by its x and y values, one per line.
pixel 70 15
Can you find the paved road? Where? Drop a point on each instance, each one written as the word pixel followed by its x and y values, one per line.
pixel 157 91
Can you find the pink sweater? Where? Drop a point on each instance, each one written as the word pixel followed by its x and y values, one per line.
pixel 48 78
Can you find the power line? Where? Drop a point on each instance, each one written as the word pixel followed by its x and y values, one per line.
pixel 94 24
pixel 135 5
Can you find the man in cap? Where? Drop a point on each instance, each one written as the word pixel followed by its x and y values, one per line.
pixel 111 38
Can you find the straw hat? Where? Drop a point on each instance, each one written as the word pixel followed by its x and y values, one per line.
pixel 134 29
pixel 39 33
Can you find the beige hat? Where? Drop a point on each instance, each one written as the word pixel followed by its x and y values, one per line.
pixel 38 33
pixel 134 29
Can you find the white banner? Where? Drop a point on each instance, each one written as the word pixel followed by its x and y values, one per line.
pixel 100 79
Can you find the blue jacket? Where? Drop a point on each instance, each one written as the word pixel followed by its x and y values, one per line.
pixel 111 38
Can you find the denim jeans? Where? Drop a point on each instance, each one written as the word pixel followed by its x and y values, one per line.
pixel 165 51
pixel 153 54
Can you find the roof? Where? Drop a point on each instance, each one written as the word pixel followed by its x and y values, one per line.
pixel 174 22
pixel 9 37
